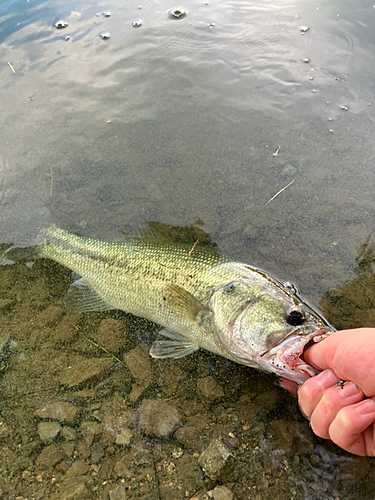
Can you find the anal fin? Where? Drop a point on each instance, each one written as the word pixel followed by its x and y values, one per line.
pixel 172 349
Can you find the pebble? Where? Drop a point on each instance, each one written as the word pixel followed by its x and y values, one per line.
pixel 50 456
pixel 216 460
pixel 48 431
pixel 68 433
pixel 122 470
pixel 78 468
pixel 124 437
pixel 97 453
pixel 158 418
pixel 138 362
pixel 75 491
pixel 116 428
pixel 221 493
pixel 111 334
pixel 61 411
pixel 119 493
pixel 209 388
pixel 89 430
pixel 85 369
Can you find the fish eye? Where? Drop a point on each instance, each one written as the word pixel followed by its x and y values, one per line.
pixel 295 317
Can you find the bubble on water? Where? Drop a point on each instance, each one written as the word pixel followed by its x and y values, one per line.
pixel 329 119
pixel 311 78
pixel 306 60
pixel 105 36
pixel 140 7
pixel 370 103
pixel 177 12
pixel 331 131
pixel 137 22
pixel 304 29
pixel 314 91
pixel 61 24
pixel 67 37
pixel 344 107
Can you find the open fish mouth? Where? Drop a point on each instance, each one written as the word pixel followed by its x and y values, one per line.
pixel 285 358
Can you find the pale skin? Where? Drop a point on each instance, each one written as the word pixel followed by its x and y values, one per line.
pixel 344 413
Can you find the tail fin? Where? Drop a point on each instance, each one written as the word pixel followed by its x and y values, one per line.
pixel 23 221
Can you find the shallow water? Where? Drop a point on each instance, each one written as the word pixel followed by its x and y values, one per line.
pixel 179 121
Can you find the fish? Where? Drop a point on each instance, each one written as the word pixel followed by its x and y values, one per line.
pixel 201 299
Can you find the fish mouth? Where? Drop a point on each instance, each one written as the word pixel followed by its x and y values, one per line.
pixel 285 358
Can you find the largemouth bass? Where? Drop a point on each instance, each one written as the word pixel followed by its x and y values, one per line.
pixel 202 299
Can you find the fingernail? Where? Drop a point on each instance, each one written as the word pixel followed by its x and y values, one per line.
pixel 326 379
pixel 366 407
pixel 349 389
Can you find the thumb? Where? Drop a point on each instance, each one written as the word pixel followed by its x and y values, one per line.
pixel 350 354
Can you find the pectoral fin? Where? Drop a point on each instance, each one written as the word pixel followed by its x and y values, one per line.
pixel 183 303
pixel 82 298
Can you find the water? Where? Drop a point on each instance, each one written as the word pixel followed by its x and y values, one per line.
pixel 179 121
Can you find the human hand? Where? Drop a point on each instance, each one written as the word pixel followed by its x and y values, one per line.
pixel 346 414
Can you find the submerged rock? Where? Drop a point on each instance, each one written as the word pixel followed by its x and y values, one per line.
pixel 138 362
pixel 158 418
pixel 221 493
pixel 74 491
pixel 209 388
pixel 78 468
pixel 48 431
pixel 61 411
pixel 50 456
pixel 216 460
pixel 116 428
pixel 118 493
pixel 85 369
pixel 97 453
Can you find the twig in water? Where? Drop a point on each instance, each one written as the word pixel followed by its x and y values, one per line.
pixel 195 244
pixel 277 150
pixel 11 67
pixel 281 190
pixel 176 395
pixel 97 345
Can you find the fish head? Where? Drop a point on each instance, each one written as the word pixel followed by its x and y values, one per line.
pixel 264 323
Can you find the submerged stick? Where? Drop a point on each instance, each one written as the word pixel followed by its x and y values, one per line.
pixel 195 244
pixel 11 67
pixel 281 190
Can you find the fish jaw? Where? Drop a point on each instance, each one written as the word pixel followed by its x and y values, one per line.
pixel 285 360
